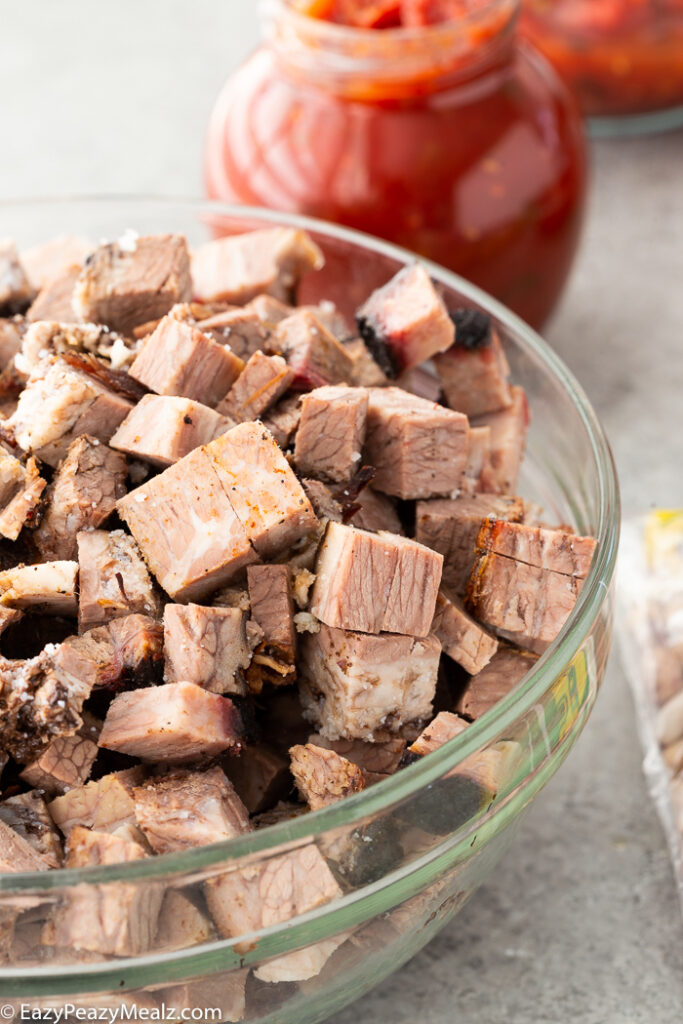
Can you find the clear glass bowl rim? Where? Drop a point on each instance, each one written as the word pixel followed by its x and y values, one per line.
pixel 482 732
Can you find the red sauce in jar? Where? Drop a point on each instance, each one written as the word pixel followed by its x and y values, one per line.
pixel 621 57
pixel 451 140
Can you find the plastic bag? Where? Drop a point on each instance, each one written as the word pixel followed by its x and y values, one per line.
pixel 650 634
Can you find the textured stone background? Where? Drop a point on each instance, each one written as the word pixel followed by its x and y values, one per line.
pixel 581 923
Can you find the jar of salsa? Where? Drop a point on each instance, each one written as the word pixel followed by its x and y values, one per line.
pixel 622 58
pixel 451 139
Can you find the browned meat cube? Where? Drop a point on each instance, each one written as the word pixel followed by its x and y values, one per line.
pixel 206 646
pixel 322 776
pixel 276 890
pixel 325 505
pixel 508 439
pixel 116 918
pixel 16 853
pixel 179 359
pixel 260 776
pixel 505 670
pixel 283 420
pixel 528 603
pixel 126 283
pixel 405 322
pixel 474 372
pixel 113 579
pixel 440 730
pixel 419 449
pixel 82 495
pixel 452 527
pixel 354 685
pixel 378 760
pixel 53 301
pixel 240 267
pixel 272 607
pixel 478 471
pixel 46 260
pixel 15 288
pixel 58 405
pixel 181 925
pixel 64 764
pixel 331 434
pixel 28 816
pixel 314 354
pixel 376 512
pixel 365 372
pixel 21 487
pixel 375 583
pixel 104 805
pixel 555 550
pixel 269 310
pixel 136 643
pixel 49 587
pixel 10 342
pixel 163 429
pixel 420 382
pixel 240 329
pixel 173 724
pixel 187 528
pixel 188 809
pixel 263 380
pixel 462 639
pixel 262 488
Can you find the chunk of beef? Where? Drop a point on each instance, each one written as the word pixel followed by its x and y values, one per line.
pixel 478 473
pixel 48 587
pixel 376 512
pixel 206 646
pixel 277 890
pixel 375 583
pixel 269 310
pixel 365 372
pixel 555 550
pixel 164 429
pixel 505 670
pixel 17 855
pixel 173 724
pixel 377 760
pixel 123 285
pixel 113 579
pixel 462 639
pixel 422 383
pixel 331 433
pixel 240 267
pixel 262 488
pixel 50 337
pixel 354 686
pixel 263 380
pixel 58 405
pixel 179 359
pixel 116 918
pixel 104 805
pixel 136 644
pixel 260 776
pixel 53 301
pixel 452 527
pixel 187 528
pixel 15 288
pixel 64 764
pixel 405 322
pixel 182 925
pixel 28 816
pixel 474 372
pixel 239 329
pixel 21 487
pixel 418 448
pixel 508 439
pixel 313 353
pixel 325 505
pixel 188 809
pixel 82 495
pixel 323 776
pixel 283 420
pixel 272 608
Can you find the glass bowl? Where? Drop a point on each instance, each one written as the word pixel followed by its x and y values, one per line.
pixel 418 843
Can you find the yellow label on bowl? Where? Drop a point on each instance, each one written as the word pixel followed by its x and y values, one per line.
pixel 571 693
pixel 663 536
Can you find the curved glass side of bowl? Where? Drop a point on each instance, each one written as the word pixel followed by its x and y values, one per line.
pixel 399 859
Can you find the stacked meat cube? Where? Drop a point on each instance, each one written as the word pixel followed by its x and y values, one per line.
pixel 242 542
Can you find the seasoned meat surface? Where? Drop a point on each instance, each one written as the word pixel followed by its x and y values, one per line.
pixel 206 646
pixel 331 432
pixel 162 429
pixel 323 776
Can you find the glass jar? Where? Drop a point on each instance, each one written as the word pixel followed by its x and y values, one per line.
pixel 453 141
pixel 622 58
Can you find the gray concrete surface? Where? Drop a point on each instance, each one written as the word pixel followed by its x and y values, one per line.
pixel 581 923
